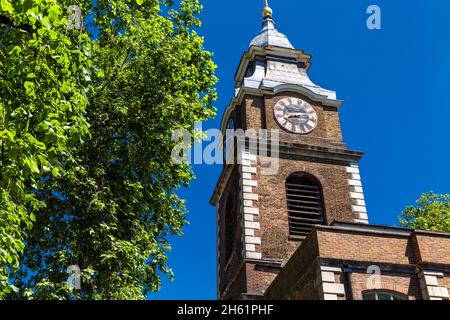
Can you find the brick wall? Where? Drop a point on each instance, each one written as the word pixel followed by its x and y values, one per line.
pixel 299 272
pixel 252 113
pixel 432 248
pixel 342 245
pixel 259 277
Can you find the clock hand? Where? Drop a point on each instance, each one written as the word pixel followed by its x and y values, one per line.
pixel 295 114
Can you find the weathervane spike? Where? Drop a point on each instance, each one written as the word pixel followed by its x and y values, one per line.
pixel 267 12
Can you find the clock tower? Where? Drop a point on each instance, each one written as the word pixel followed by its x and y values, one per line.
pixel 263 218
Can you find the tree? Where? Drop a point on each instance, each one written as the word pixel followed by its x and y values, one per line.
pixel 432 213
pixel 112 207
pixel 43 66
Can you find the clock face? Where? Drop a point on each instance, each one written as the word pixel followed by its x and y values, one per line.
pixel 296 115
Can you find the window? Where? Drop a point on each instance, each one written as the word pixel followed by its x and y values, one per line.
pixel 304 202
pixel 230 228
pixel 383 295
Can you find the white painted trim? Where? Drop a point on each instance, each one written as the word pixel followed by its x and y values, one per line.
pixel 359 209
pixel 252 225
pixel 253 240
pixel 250 196
pixel 251 183
pixel 248 217
pixel 249 170
pixel 353 169
pixel 253 255
pixel 331 269
pixel 249 205
pixel 432 273
pixel 357 195
pixel 250 232
pixel 248 210
pixel 248 156
pixel 430 286
pixel 326 283
pixel 327 276
pixel 333 288
pixel 247 176
pixel 356 183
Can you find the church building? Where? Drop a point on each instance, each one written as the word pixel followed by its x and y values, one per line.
pixel 304 232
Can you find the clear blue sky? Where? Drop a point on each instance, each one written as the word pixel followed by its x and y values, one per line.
pixel 395 85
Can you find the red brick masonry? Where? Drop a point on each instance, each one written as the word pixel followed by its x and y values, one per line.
pixel 412 263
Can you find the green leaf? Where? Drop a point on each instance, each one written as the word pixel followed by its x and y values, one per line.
pixel 15 51
pixel 38 144
pixel 55 172
pixel 28 85
pixel 7 134
pixel 32 165
pixel 6 6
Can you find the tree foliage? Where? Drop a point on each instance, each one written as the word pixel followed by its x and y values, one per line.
pixel 431 213
pixel 42 102
pixel 112 204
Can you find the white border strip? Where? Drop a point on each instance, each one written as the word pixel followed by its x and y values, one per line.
pixel 430 286
pixel 249 208
pixel 357 194
pixel 326 283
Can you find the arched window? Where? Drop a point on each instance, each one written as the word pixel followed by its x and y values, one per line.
pixel 383 295
pixel 230 228
pixel 304 202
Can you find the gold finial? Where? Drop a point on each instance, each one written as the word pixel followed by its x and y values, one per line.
pixel 267 10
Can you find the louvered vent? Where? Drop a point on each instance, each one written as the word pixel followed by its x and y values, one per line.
pixel 305 204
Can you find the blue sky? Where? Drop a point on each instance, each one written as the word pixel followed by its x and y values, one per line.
pixel 394 83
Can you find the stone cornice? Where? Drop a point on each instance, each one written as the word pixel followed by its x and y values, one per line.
pixel 313 153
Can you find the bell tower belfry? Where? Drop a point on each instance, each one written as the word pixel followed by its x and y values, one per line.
pixel 263 218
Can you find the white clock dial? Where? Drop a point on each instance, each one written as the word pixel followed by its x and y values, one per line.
pixel 295 115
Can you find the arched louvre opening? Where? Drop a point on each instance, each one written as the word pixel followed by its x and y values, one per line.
pixel 304 202
pixel 230 228
pixel 383 295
